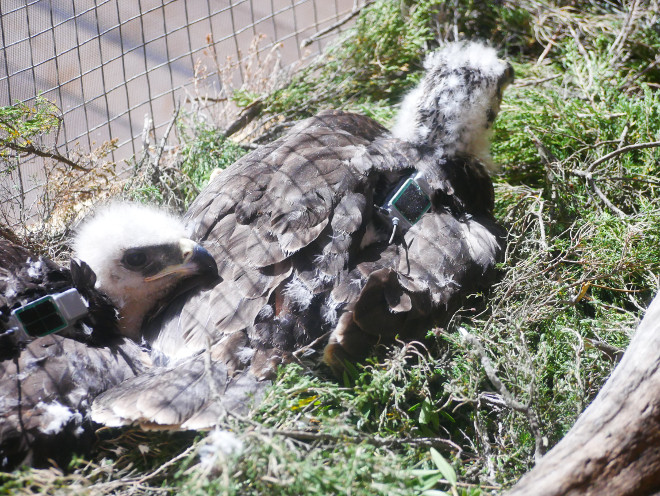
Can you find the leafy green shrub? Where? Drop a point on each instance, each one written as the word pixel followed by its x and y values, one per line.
pixel 22 125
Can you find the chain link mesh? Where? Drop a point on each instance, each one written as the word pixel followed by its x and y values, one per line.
pixel 117 69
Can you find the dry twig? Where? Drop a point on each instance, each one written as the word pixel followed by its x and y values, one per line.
pixel 33 150
pixel 511 402
pixel 320 34
pixel 619 151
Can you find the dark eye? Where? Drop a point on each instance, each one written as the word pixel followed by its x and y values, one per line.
pixel 490 116
pixel 134 259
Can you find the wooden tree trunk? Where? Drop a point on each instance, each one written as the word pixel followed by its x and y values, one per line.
pixel 614 447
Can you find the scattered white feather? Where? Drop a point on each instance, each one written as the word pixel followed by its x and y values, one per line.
pixel 301 296
pixel 7 402
pixel 481 242
pixel 438 288
pixel 321 278
pixel 329 310
pixel 56 417
pixel 32 364
pixel 11 289
pixel 218 445
pixel 35 269
pixel 361 161
pixel 266 312
pixel 245 354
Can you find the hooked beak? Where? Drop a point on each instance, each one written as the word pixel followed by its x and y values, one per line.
pixel 508 76
pixel 196 261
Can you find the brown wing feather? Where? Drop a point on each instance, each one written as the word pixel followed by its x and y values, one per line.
pixel 265 211
pixel 48 386
pixel 47 390
pixel 300 252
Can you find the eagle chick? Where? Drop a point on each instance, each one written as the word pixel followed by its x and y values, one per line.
pixel 304 249
pixel 453 109
pixel 48 384
pixel 140 254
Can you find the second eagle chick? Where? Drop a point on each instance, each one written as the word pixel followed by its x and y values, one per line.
pixel 304 233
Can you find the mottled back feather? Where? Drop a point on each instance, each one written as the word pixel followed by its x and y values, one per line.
pixel 302 250
pixel 49 384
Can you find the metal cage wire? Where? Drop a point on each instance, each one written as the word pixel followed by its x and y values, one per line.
pixel 109 64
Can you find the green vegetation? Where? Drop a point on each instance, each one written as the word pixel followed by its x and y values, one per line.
pixel 581 203
pixel 175 178
pixel 21 125
pixel 31 131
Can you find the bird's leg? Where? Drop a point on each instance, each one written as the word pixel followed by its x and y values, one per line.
pixel 405 249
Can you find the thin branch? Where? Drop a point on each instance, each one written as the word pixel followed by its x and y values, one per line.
pixel 167 464
pixel 605 199
pixel 511 402
pixel 589 178
pixel 248 114
pixel 392 442
pixel 629 25
pixel 547 49
pixel 539 215
pixel 31 149
pixel 619 151
pixel 205 99
pixel 163 141
pixel 332 27
pixel 530 82
pixel 612 352
pixel 631 79
pixel 311 345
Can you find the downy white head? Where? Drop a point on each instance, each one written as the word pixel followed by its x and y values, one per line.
pixel 454 106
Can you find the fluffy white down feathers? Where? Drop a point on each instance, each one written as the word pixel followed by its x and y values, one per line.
pixel 102 243
pixel 453 108
pixel 102 240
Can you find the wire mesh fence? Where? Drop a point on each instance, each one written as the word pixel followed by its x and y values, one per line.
pixel 117 70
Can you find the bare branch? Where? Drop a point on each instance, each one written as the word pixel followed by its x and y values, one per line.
pixel 531 82
pixel 248 114
pixel 589 178
pixel 619 151
pixel 511 402
pixel 163 141
pixel 332 27
pixel 31 149
pixel 392 442
pixel 629 25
